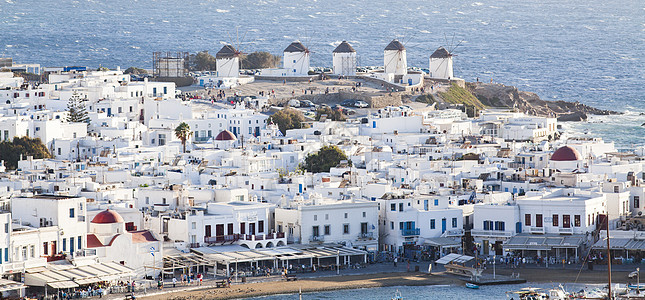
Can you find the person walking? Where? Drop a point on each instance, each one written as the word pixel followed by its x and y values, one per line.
pixel 174 281
pixel 396 259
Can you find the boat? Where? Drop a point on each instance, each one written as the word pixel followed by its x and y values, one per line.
pixel 531 293
pixel 397 295
pixel 636 287
pixel 471 285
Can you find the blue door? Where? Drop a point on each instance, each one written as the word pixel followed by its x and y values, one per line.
pixel 443 225
pixel 410 81
pixel 518 227
pixel 514 190
pixel 109 112
pixel 425 204
pixel 300 188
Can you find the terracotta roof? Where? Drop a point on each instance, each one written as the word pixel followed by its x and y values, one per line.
pixel 143 236
pixel 296 47
pixel 93 241
pixel 225 136
pixel 440 53
pixel 344 47
pixel 395 45
pixel 226 51
pixel 566 153
pixel 107 216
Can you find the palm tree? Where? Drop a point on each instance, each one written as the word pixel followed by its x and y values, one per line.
pixel 183 132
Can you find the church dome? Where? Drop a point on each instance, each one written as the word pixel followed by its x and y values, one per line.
pixel 107 216
pixel 225 136
pixel 566 153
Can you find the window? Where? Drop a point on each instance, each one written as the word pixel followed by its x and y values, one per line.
pixel 637 201
pixel 194 225
pixel 32 251
pixel 315 217
pixel 400 225
pixel 454 222
pixel 327 229
pixel 364 214
pixel 616 189
pixel 261 226
pixel 71 212
pixel 326 216
pixel 80 244
pixel 576 220
pixel 45 250
pixel 6 228
pixel 432 224
pixel 315 231
pixel 392 225
pixel 566 221
pixel 487 225
pixel 538 220
pixel 147 200
pixel 345 215
pixel 436 202
pixel 345 228
pixel 555 221
pixel 527 220
pixel 393 207
pixel 500 226
pixel 400 206
pixel 64 244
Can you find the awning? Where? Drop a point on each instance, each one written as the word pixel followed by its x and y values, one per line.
pixel 67 284
pixel 442 242
pixel 621 244
pixel 543 242
pixel 454 258
pixel 10 285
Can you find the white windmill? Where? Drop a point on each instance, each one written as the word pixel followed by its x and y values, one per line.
pixel 344 60
pixel 296 59
pixel 227 61
pixel 395 59
pixel 441 62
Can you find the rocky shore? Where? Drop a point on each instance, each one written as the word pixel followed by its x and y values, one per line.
pixel 503 96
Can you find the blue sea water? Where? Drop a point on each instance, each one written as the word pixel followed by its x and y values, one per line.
pixel 588 51
pixel 425 292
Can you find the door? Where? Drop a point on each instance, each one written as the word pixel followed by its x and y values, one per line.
pixel 566 221
pixel 242 228
pixel 518 227
pixel 109 111
pixel 363 228
pixel 538 220
pixel 251 228
pixel 443 225
pixel 207 230
pixel 498 248
pixel 230 228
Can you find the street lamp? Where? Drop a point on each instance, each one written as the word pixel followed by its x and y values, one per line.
pixel 337 262
pixel 638 279
pixel 494 259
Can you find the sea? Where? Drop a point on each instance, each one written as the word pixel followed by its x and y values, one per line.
pixel 428 292
pixel 588 51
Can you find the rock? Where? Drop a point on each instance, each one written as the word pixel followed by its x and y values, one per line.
pixel 503 96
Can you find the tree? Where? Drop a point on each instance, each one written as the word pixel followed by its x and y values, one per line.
pixel 203 61
pixel 323 160
pixel 10 151
pixel 135 71
pixel 259 60
pixel 183 132
pixel 332 114
pixel 76 110
pixel 288 118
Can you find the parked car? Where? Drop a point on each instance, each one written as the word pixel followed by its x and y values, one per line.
pixel 349 111
pixel 361 104
pixel 348 102
pixel 294 103
pixel 306 103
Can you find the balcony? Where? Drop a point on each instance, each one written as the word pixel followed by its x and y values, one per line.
pixel 410 232
pixel 453 233
pixel 536 229
pixel 563 230
pixel 222 238
pixel 366 236
pixel 316 239
pixel 491 233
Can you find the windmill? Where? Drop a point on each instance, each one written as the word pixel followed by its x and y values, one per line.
pixel 344 59
pixel 297 59
pixel 228 58
pixel 441 61
pixel 395 59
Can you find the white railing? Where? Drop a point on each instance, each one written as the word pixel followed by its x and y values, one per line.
pixel 565 230
pixel 536 229
pixel 495 233
pixel 453 233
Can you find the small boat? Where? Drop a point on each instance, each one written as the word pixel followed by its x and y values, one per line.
pixel 471 285
pixel 636 287
pixel 397 296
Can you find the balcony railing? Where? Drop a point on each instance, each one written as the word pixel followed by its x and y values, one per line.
pixel 492 233
pixel 366 236
pixel 409 232
pixel 536 229
pixel 246 237
pixel 222 238
pixel 453 233
pixel 563 230
pixel 317 238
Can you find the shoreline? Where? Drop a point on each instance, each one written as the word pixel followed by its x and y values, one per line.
pixel 374 280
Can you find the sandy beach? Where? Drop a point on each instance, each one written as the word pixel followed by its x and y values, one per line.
pixel 376 280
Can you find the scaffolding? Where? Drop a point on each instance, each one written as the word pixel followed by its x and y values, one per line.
pixel 170 64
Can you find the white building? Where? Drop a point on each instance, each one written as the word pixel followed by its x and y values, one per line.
pixel 296 59
pixel 344 60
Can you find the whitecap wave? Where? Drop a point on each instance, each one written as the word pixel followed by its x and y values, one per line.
pixel 222 10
